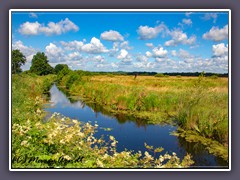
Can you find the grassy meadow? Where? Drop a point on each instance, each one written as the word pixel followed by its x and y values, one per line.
pixel 198 105
pixel 61 142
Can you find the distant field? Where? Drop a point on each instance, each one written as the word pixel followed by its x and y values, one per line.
pixel 163 84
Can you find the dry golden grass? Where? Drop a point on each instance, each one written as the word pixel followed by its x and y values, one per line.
pixel 163 84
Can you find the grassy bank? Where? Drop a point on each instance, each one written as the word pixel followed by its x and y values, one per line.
pixel 61 142
pixel 198 104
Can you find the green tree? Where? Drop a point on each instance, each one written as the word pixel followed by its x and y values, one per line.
pixel 18 59
pixel 59 67
pixel 40 65
pixel 62 73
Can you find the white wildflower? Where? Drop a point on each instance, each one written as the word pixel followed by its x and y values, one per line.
pixel 75 121
pixel 24 143
pixel 62 141
pixel 80 134
pixel 105 156
pixel 161 158
pixel 99 163
pixel 39 111
pixel 111 138
pixel 113 143
pixel 67 157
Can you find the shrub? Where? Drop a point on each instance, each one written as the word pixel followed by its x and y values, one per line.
pixel 159 75
pixel 71 79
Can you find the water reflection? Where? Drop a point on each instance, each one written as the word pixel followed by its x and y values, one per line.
pixel 200 155
pixel 131 133
pixel 60 98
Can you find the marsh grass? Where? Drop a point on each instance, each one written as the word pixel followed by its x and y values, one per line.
pixel 61 142
pixel 199 103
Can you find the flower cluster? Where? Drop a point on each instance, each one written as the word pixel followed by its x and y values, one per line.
pixel 68 139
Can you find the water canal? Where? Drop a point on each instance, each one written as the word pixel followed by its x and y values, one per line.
pixel 131 133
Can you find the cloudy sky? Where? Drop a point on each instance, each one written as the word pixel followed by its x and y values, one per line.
pixel 125 41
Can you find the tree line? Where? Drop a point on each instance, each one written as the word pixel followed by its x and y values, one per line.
pixel 40 66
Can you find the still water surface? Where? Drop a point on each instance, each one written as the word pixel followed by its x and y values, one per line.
pixel 131 133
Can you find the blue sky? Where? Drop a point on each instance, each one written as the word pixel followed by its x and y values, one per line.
pixel 125 41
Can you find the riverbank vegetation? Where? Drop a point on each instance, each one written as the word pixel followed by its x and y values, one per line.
pixel 195 104
pixel 60 142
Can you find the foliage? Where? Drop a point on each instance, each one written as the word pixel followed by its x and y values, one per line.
pixel 60 142
pixel 159 75
pixel 47 85
pixel 59 67
pixel 18 59
pixel 215 76
pixel 72 77
pixel 40 65
pixel 63 72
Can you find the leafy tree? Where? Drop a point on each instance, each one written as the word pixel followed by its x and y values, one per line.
pixel 62 73
pixel 18 59
pixel 59 67
pixel 40 65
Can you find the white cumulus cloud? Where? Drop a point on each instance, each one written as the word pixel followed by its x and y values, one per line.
pixel 148 54
pixel 142 58
pixel 35 28
pixel 74 56
pixel 179 37
pixel 209 16
pixel 216 34
pixel 146 32
pixel 159 52
pixel 72 45
pixel 124 56
pixel 99 58
pixel 220 50
pixel 112 36
pixel 94 47
pixel 28 28
pixel 125 45
pixel 149 45
pixel 54 53
pixel 186 56
pixel 187 21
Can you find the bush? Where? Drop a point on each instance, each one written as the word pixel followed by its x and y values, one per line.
pixel 71 79
pixel 159 75
pixel 63 72
pixel 214 76
pixel 46 85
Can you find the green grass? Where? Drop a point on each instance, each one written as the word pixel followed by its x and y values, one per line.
pixel 199 104
pixel 60 142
